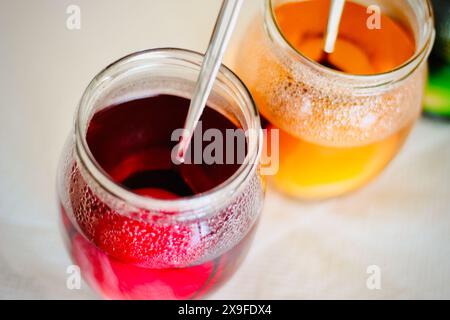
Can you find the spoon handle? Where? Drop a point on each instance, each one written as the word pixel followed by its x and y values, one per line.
pixel 334 20
pixel 223 29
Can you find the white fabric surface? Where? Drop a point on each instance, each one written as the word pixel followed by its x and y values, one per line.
pixel 400 222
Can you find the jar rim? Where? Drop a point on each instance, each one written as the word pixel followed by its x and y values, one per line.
pixel 376 80
pixel 184 208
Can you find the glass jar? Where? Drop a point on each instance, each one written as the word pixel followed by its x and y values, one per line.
pixel 337 130
pixel 130 246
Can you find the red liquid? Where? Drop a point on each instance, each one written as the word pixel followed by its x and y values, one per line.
pixel 125 258
pixel 132 143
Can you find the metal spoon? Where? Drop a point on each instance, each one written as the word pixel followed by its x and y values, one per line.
pixel 223 29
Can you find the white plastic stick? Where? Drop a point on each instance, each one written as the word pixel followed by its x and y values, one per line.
pixel 334 20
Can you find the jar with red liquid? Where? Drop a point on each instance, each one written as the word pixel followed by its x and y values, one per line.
pixel 139 225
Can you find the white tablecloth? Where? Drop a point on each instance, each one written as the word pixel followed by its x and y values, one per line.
pixel 400 222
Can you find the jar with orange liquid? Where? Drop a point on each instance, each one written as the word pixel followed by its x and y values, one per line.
pixel 342 123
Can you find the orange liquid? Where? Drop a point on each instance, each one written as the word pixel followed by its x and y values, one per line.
pixel 313 170
pixel 358 49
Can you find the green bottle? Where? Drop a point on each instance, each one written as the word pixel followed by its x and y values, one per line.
pixel 437 97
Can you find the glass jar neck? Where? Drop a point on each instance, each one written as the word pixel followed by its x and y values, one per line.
pixel 420 18
pixel 167 71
